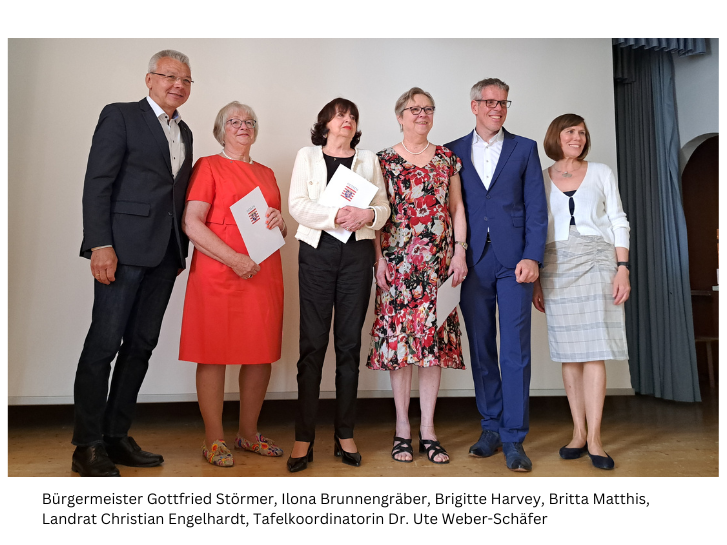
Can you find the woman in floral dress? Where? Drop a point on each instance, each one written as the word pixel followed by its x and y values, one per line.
pixel 421 245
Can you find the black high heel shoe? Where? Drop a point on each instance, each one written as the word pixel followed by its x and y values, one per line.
pixel 348 458
pixel 299 464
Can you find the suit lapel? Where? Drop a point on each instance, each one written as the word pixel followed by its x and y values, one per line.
pixel 157 131
pixel 508 146
pixel 186 140
pixel 474 186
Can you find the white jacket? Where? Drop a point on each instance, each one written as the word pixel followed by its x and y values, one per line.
pixel 308 183
pixel 598 209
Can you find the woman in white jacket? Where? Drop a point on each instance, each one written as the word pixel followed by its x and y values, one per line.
pixel 585 279
pixel 332 274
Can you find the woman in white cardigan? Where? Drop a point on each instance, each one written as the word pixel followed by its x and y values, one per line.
pixel 332 274
pixel 585 279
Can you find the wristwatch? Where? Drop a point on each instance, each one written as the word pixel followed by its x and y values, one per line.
pixel 462 243
pixel 624 263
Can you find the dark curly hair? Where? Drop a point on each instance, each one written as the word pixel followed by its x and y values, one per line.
pixel 319 132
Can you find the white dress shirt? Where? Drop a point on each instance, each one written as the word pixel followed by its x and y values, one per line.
pixel 486 154
pixel 173 134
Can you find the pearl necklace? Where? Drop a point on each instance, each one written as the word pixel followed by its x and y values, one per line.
pixel 231 159
pixel 417 153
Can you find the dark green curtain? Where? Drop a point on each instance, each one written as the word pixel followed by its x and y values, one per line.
pixel 659 326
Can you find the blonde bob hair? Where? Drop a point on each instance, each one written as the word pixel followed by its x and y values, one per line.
pixel 226 113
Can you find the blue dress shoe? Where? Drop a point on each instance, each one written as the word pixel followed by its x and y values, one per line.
pixel 487 445
pixel 601 462
pixel 516 458
pixel 573 453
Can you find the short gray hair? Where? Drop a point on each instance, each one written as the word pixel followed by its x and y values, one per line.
pixel 224 115
pixel 170 53
pixel 476 91
pixel 404 99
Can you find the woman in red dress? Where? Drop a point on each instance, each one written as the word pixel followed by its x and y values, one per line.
pixel 233 308
pixel 419 247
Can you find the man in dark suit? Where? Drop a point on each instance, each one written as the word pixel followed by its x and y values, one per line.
pixel 507 222
pixel 133 197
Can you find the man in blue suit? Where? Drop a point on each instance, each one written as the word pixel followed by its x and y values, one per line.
pixel 507 222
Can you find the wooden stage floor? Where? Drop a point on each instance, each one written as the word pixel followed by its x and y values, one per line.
pixel 647 437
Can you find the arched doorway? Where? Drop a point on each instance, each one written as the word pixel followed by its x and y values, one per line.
pixel 700 196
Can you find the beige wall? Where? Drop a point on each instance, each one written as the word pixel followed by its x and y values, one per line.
pixel 57 88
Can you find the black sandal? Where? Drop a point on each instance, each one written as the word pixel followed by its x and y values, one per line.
pixel 402 447
pixel 432 448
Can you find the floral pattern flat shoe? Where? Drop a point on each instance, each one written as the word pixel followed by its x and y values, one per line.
pixel 261 445
pixel 218 454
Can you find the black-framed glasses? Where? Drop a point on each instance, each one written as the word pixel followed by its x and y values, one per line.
pixel 173 79
pixel 416 110
pixel 237 123
pixel 491 103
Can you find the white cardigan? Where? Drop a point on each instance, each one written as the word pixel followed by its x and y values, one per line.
pixel 598 209
pixel 308 183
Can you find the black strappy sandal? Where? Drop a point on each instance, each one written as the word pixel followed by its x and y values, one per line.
pixel 432 448
pixel 402 447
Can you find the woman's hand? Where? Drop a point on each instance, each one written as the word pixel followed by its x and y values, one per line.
pixel 244 267
pixel 458 266
pixel 352 218
pixel 621 286
pixel 538 301
pixel 383 275
pixel 273 219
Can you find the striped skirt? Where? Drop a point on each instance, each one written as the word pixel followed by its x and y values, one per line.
pixel 577 281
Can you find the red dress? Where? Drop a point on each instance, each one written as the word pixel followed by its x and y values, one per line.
pixel 227 319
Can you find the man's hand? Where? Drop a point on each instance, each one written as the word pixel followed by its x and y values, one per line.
pixel 103 265
pixel 527 271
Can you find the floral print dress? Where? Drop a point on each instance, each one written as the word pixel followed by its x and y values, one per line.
pixel 418 245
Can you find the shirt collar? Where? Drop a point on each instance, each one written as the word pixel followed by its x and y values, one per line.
pixel 499 137
pixel 158 111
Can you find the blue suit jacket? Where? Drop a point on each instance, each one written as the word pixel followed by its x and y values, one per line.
pixel 514 208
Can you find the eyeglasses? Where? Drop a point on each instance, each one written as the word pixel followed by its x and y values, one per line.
pixel 493 103
pixel 237 123
pixel 173 79
pixel 416 110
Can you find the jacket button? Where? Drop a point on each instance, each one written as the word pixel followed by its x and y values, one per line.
pixel 489 196
pixel 169 213
pixel 485 218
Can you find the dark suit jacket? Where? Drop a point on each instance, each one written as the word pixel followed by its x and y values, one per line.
pixel 130 198
pixel 514 208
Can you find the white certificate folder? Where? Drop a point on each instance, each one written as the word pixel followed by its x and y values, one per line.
pixel 249 213
pixel 346 188
pixel 447 300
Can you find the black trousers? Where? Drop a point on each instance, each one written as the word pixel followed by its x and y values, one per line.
pixel 333 276
pixel 131 309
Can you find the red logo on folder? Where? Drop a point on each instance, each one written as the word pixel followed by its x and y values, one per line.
pixel 253 215
pixel 348 192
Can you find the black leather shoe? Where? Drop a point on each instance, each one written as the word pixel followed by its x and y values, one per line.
pixel 515 457
pixel 125 452
pixel 487 445
pixel 601 462
pixel 93 462
pixel 348 458
pixel 573 453
pixel 299 464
